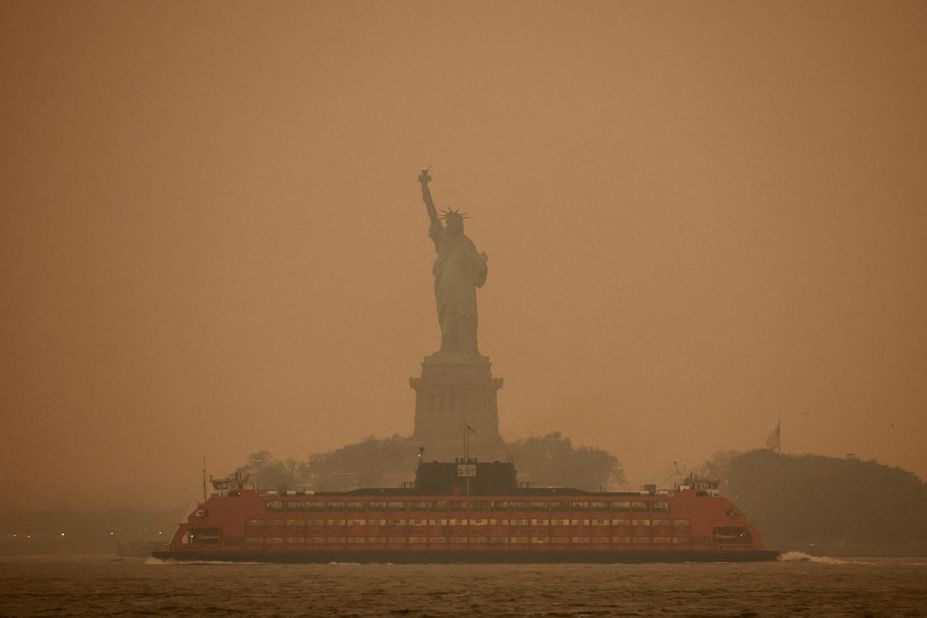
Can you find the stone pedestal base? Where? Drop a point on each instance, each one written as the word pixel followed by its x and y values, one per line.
pixel 454 392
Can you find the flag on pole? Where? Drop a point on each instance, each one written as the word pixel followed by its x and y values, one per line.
pixel 773 442
pixel 471 429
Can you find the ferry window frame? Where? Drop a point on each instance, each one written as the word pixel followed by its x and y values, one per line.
pixel 659 506
pixel 205 536
pixel 295 505
pixel 376 506
pixel 274 505
pixel 500 505
pixel 397 506
pixel 440 506
pixel 560 506
pixel 640 506
pixel 317 506
pixel 722 535
pixel 539 506
pixel 621 506
pixel 457 506
pixel 598 505
pixel 418 505
pixel 479 506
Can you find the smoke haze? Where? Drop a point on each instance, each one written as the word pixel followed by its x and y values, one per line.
pixel 700 218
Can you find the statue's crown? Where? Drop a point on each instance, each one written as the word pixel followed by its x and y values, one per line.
pixel 453 214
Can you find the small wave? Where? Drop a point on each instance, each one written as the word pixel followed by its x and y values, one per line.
pixel 800 556
pixel 333 563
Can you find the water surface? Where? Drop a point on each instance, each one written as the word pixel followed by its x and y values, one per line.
pixel 796 585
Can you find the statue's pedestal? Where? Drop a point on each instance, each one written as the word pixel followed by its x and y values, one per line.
pixel 456 391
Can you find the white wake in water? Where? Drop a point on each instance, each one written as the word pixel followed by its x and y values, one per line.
pixel 153 560
pixel 800 556
pixel 158 561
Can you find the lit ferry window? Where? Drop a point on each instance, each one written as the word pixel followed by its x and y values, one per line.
pixel 479 505
pixel 500 505
pixel 354 507
pixel 398 506
pixel 539 506
pixel 275 505
pixel 621 506
pixel 458 505
pixel 659 505
pixel 439 505
pixel 598 506
pixel 296 505
pixel 317 506
pixel 640 506
pixel 580 505
pixel 560 506
pixel 419 505
pixel 376 507
pixel 336 506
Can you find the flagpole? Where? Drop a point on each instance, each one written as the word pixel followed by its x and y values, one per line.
pixel 779 431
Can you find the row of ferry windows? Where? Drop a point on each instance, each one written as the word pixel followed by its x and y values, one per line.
pixel 473 540
pixel 678 523
pixel 635 506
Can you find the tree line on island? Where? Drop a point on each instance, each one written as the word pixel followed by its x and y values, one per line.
pixel 550 460
pixel 824 505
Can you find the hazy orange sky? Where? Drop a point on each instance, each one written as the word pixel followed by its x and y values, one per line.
pixel 700 217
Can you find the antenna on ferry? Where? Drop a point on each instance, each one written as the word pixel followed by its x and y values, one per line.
pixel 204 478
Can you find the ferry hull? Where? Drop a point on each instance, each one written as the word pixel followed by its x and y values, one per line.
pixel 473 557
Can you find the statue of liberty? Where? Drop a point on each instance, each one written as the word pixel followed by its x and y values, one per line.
pixel 458 271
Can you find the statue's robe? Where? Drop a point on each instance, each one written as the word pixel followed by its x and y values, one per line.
pixel 458 271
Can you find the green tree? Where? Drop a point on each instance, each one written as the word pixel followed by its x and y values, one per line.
pixel 815 501
pixel 553 461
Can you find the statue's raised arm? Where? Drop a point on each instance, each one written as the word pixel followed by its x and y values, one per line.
pixel 425 178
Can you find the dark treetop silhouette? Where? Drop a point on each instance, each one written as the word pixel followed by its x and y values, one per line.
pixel 459 269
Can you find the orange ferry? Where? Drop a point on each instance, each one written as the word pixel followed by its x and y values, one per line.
pixel 467 511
